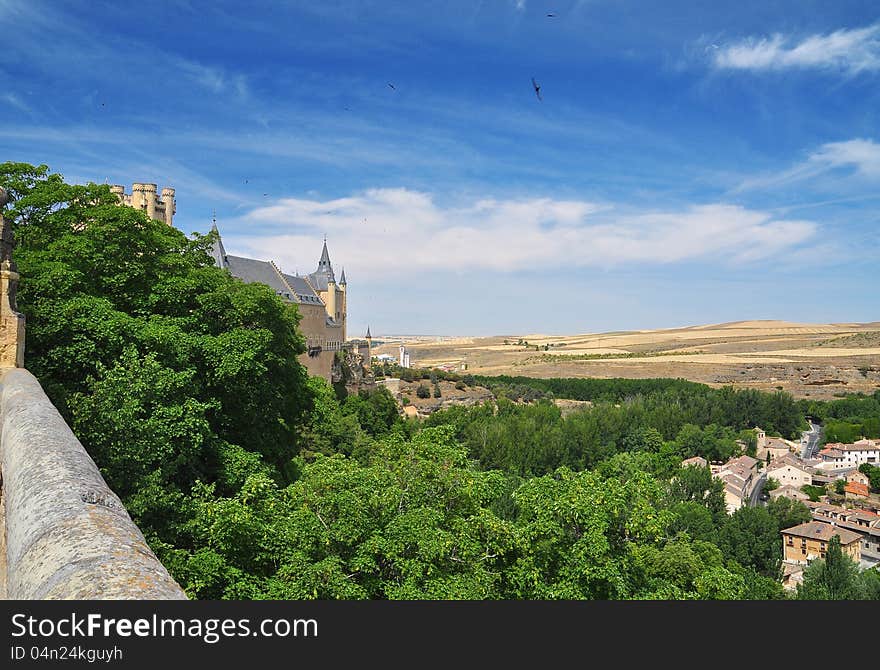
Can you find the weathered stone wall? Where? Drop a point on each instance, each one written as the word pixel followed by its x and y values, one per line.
pixel 67 534
pixel 320 365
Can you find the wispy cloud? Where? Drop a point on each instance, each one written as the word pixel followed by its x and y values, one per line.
pixel 378 228
pixel 520 5
pixel 214 79
pixel 14 101
pixel 860 156
pixel 850 51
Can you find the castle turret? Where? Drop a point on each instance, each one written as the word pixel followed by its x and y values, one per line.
pixel 169 204
pixel 331 297
pixel 344 306
pixel 138 200
pixel 150 199
pixel 119 191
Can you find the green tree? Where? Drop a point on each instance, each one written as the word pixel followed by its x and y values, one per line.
pixel 751 538
pixel 788 513
pixel 873 474
pixel 836 577
pixel 696 484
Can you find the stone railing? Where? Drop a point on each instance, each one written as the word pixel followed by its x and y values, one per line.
pixel 63 533
pixel 67 534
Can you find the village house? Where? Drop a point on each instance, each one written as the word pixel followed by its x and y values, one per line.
pixel 858 477
pixel 739 475
pixel 837 455
pixel 790 470
pixel 855 490
pixel 696 462
pixel 808 541
pixel 863 522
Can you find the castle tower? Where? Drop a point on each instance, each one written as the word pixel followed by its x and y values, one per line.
pixel 119 191
pixel 344 306
pixel 169 204
pixel 331 298
pixel 150 199
pixel 369 339
pixel 138 199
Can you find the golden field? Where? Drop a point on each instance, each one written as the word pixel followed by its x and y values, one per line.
pixel 807 360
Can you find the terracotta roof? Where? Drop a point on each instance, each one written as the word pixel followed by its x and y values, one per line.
pixel 856 489
pixel 823 531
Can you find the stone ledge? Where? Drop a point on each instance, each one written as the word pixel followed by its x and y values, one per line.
pixel 67 534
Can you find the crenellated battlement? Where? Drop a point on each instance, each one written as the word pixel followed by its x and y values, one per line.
pixel 145 196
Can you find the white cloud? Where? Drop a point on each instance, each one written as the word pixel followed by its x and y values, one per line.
pixel 520 5
pixel 852 51
pixel 400 233
pixel 862 156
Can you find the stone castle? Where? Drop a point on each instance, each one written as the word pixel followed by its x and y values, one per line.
pixel 144 196
pixel 322 301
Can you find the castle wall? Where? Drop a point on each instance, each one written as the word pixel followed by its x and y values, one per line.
pixel 320 365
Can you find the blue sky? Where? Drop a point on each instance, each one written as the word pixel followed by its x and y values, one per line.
pixel 687 162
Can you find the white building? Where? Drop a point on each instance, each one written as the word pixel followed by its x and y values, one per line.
pixel 789 471
pixel 836 455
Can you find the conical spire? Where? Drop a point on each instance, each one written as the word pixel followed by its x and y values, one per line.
pixel 369 337
pixel 324 266
pixel 217 250
pixel 342 279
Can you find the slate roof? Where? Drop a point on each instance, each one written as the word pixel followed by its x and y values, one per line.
pixel 218 253
pixel 304 291
pixel 324 274
pixel 251 270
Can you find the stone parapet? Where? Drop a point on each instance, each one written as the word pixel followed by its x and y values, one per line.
pixel 67 534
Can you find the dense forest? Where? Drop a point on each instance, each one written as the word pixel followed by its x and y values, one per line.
pixel 251 480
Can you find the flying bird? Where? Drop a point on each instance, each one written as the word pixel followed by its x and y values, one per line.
pixel 537 89
pixel 392 86
pixel 551 15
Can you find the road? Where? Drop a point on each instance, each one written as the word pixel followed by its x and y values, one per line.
pixel 810 440
pixel 755 495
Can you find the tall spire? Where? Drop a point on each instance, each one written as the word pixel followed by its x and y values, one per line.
pixel 369 337
pixel 342 279
pixel 217 250
pixel 324 266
